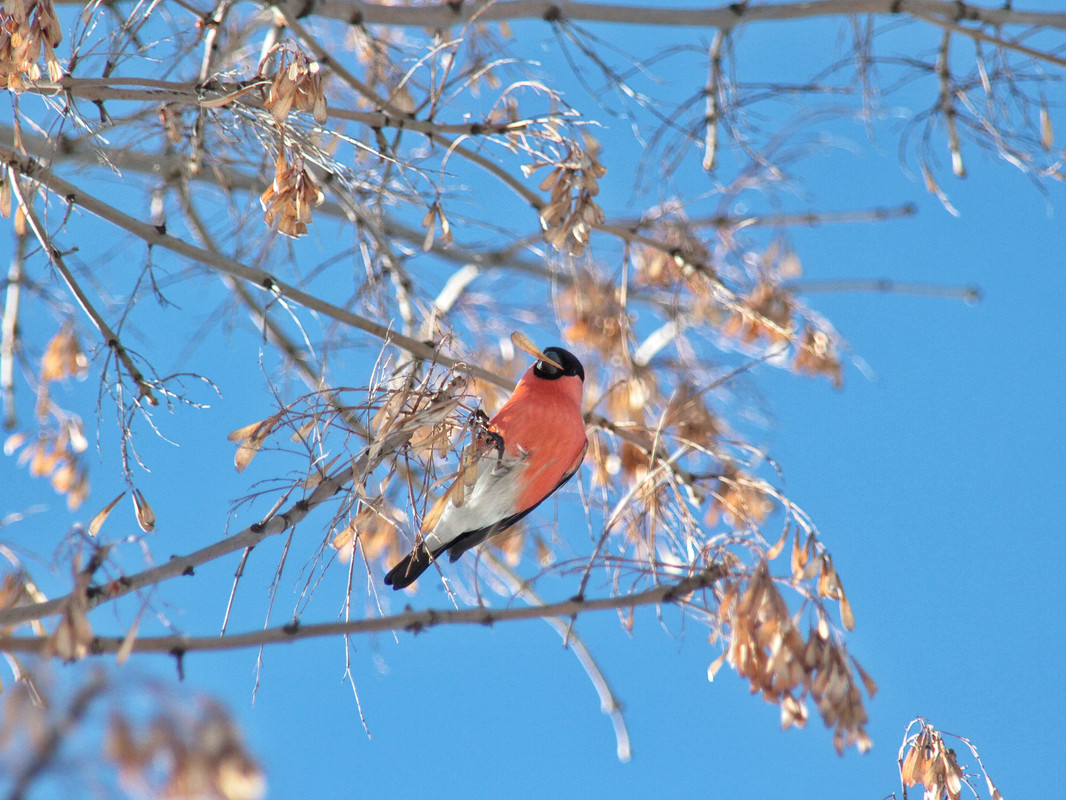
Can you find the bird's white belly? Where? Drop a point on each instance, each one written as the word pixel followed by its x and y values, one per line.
pixel 493 497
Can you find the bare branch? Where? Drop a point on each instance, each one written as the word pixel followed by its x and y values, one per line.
pixel 411 621
pixel 153 236
pixel 725 17
pixel 216 95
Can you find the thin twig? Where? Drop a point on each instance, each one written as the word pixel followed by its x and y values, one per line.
pixel 945 104
pixel 711 114
pixel 970 294
pixel 110 338
pixel 179 93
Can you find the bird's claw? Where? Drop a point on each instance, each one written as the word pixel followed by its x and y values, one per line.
pixel 497 443
pixel 484 430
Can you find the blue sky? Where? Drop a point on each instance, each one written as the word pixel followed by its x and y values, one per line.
pixel 935 478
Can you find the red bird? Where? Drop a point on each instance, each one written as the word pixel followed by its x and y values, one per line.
pixel 540 441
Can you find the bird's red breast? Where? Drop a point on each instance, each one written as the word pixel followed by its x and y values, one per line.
pixel 543 419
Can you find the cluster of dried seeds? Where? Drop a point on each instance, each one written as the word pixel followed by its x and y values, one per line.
pixel 288 201
pixel 738 498
pixel 670 264
pixel 571 213
pixel 373 528
pixel 768 314
pixel 55 451
pixel 181 757
pixel 816 354
pixel 296 85
pixel 595 316
pixel 934 766
pixel 767 648
pixel 73 635
pixel 764 313
pixel 28 28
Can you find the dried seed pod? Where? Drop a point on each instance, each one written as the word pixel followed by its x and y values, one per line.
pixel 145 515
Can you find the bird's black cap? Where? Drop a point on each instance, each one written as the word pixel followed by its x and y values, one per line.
pixel 564 358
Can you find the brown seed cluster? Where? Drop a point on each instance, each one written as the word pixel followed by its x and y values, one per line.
pixel 807 563
pixel 627 404
pixel 571 212
pixel 768 313
pixel 62 359
pixel 594 314
pixel 28 28
pixel 765 313
pixel 649 425
pixel 17 589
pixel 767 648
pixel 688 414
pixel 181 757
pixel 296 85
pixel 288 201
pixel 673 262
pixel 375 530
pixel 739 499
pixel 55 451
pixel 933 765
pixel 817 355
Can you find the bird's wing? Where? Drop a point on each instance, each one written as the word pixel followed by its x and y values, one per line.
pixel 492 498
pixel 468 539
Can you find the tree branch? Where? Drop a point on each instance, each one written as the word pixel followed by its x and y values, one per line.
pixel 725 17
pixel 408 620
pixel 275 523
pixel 216 95
pixel 155 237
pixel 9 331
pixel 572 641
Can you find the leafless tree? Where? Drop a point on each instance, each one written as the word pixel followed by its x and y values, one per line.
pixel 307 183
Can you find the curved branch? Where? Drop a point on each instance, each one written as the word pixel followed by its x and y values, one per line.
pixel 572 641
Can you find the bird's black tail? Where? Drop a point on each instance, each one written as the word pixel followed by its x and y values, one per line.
pixel 410 567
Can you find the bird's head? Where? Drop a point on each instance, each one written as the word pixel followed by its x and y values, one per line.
pixel 558 363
